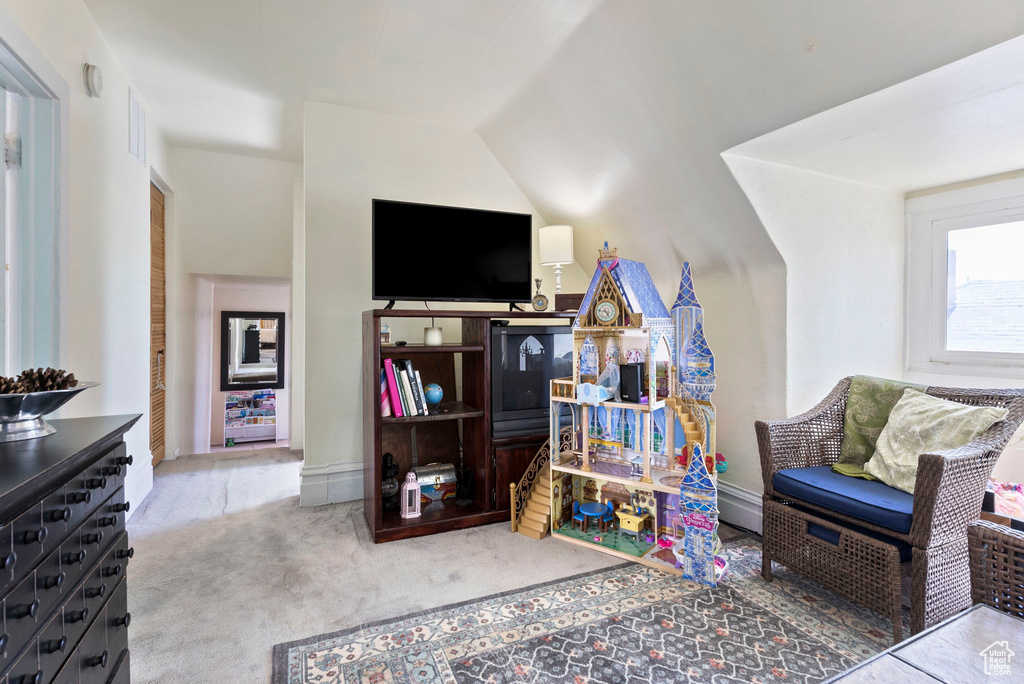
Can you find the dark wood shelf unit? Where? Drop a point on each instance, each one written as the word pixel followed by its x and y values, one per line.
pixel 437 436
pixel 424 349
pixel 448 410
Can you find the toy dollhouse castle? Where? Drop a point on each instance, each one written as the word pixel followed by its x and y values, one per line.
pixel 657 513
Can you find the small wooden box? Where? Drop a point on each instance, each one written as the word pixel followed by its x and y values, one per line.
pixel 568 302
pixel 437 482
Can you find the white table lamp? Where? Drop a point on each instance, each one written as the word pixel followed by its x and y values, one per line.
pixel 556 250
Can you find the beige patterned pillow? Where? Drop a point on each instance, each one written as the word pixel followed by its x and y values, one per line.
pixel 922 424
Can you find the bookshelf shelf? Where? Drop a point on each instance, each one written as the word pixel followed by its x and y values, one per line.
pixel 423 349
pixel 447 410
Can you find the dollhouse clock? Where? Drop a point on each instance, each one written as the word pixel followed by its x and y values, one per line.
pixel 540 301
pixel 606 312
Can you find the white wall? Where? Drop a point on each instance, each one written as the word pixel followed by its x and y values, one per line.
pixel 235 217
pixel 843 244
pixel 245 297
pixel 106 329
pixel 352 156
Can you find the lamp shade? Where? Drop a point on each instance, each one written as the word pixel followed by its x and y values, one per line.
pixel 556 245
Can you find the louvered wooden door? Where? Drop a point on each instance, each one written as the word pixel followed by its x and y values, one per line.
pixel 157 325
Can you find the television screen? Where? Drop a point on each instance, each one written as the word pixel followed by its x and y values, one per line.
pixel 434 253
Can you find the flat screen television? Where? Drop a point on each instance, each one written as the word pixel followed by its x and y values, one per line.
pixel 427 252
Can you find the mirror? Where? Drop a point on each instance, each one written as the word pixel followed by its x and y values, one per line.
pixel 251 350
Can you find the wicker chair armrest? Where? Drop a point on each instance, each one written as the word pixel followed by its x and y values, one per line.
pixel 809 439
pixel 997 566
pixel 948 492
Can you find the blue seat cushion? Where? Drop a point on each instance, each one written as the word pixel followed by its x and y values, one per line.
pixel 867 500
pixel 832 537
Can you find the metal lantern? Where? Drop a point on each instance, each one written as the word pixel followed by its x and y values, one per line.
pixel 411 497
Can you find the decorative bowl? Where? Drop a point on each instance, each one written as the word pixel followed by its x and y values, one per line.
pixel 21 415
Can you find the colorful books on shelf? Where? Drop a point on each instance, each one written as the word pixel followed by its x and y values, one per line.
pixel 401 390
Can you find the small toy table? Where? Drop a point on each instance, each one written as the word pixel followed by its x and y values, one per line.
pixel 630 522
pixel 592 510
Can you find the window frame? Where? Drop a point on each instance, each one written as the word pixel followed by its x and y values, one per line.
pixel 930 219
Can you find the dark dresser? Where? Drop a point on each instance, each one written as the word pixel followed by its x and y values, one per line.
pixel 64 555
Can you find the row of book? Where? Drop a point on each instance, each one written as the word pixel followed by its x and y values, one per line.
pixel 401 390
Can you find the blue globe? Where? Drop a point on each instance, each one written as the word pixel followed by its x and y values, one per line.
pixel 434 393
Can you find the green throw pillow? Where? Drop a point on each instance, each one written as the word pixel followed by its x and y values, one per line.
pixel 868 404
pixel 921 424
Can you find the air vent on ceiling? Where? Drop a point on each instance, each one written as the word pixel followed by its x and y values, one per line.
pixel 136 128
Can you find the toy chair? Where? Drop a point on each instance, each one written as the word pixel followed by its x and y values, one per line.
pixel 637 465
pixel 577 516
pixel 608 519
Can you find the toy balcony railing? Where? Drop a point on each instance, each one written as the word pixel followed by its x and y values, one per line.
pixel 563 388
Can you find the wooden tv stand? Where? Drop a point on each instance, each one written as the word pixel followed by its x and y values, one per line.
pixel 493 462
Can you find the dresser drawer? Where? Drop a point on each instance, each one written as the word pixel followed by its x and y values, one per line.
pixel 29 535
pixel 26 669
pixel 8 559
pixel 54 646
pixel 94 660
pixel 51 580
pixel 122 675
pixel 77 617
pixel 118 619
pixel 73 562
pixel 58 517
pixel 22 611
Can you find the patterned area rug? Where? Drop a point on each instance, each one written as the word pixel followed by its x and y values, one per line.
pixel 629 624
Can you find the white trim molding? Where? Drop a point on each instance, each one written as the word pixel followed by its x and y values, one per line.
pixel 739 507
pixel 330 483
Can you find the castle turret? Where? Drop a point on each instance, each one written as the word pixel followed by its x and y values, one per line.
pixel 698 505
pixel 695 362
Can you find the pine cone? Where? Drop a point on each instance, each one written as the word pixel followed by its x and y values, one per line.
pixel 39 380
pixel 9 385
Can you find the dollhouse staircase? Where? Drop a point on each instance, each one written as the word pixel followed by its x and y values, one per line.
pixel 690 425
pixel 536 518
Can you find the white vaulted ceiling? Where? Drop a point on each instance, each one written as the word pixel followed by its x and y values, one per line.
pixel 231 75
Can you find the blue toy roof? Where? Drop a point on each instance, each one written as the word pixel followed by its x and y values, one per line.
pixel 686 297
pixel 636 287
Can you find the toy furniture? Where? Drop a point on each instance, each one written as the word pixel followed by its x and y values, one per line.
pixel 592 510
pixel 632 521
pixel 608 519
pixel 859 537
pixel 578 517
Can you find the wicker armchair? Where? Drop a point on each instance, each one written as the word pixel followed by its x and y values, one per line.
pixel 997 566
pixel 862 562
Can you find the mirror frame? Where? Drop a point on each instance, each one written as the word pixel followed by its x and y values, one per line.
pixel 225 346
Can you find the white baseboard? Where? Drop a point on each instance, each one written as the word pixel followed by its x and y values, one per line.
pixel 331 483
pixel 739 507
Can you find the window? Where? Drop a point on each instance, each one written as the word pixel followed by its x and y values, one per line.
pixel 965 281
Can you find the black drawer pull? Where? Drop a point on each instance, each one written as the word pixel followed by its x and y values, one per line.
pixel 96 483
pixel 92 538
pixel 78 615
pixel 100 660
pixel 54 645
pixel 124 460
pixel 126 553
pixel 109 521
pixel 24 610
pixel 81 497
pixel 53 581
pixel 58 515
pixel 4 640
pixel 126 620
pixel 8 561
pixel 114 470
pixel 74 557
pixel 37 678
pixel 112 570
pixel 121 507
pixel 96 592
pixel 34 536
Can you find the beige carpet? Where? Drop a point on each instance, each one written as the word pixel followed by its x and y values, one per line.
pixel 227 564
